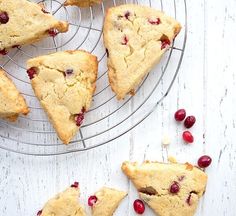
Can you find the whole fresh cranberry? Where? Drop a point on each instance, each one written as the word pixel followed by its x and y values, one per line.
pixel 139 206
pixel 32 72
pixel 75 185
pixel 92 200
pixel 180 115
pixel 189 121
pixel 174 188
pixel 188 137
pixel 204 161
pixel 4 18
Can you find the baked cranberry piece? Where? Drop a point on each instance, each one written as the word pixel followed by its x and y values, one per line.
pixel 107 52
pixel 75 185
pixel 16 46
pixel 188 137
pixel 180 115
pixel 92 200
pixel 157 21
pixel 44 11
pixel 3 52
pixel 69 71
pixel 80 117
pixel 4 18
pixel 174 188
pixel 39 212
pixel 139 206
pixel 127 14
pixel 52 32
pixel 164 43
pixel 125 40
pixel 32 72
pixel 181 178
pixel 204 161
pixel 189 121
pixel 188 200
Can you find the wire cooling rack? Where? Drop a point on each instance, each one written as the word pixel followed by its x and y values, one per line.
pixel 108 118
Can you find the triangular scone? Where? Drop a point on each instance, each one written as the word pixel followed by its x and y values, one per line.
pixel 11 102
pixel 25 22
pixel 135 38
pixel 107 202
pixel 153 181
pixel 64 83
pixel 64 204
pixel 82 3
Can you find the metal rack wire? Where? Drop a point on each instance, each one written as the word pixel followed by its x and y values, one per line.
pixel 107 119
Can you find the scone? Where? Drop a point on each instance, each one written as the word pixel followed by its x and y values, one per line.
pixel 135 38
pixel 23 22
pixel 107 201
pixel 64 83
pixel 82 3
pixel 169 189
pixel 65 203
pixel 11 102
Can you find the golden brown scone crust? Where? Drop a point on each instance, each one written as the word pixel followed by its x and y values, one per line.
pixel 153 181
pixel 64 96
pixel 134 44
pixel 12 102
pixel 82 3
pixel 64 204
pixel 108 200
pixel 27 23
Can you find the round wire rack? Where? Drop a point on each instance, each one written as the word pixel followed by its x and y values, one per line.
pixel 108 118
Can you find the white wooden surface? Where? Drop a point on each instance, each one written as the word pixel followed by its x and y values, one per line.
pixel 205 87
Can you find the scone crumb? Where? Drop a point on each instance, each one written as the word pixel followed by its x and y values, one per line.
pixel 165 140
pixel 172 159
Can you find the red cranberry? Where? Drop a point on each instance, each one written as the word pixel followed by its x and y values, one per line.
pixel 16 46
pixel 3 52
pixel 125 40
pixel 4 18
pixel 164 43
pixel 188 200
pixel 39 213
pixel 188 137
pixel 139 206
pixel 92 200
pixel 44 11
pixel 157 21
pixel 31 72
pixel 75 185
pixel 80 117
pixel 52 32
pixel 174 188
pixel 189 121
pixel 180 115
pixel 127 14
pixel 69 71
pixel 204 161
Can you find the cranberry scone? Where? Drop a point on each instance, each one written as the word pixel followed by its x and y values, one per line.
pixel 169 189
pixel 106 201
pixel 12 102
pixel 64 83
pixel 82 3
pixel 65 203
pixel 23 22
pixel 135 38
